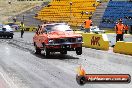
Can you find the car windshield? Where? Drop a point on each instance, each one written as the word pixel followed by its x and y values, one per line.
pixel 0 29
pixel 49 27
pixel 1 25
pixel 58 28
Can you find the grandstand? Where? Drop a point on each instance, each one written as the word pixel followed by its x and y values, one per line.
pixel 73 12
pixel 117 9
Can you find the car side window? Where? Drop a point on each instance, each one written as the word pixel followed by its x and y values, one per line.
pixel 45 30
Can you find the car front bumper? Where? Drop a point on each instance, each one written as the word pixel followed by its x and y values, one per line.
pixel 64 46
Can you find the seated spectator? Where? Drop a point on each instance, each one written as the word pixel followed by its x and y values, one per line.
pixel 126 17
pixel 9 2
pixel 104 20
pixel 126 29
pixel 129 17
pixel 86 13
pixel 14 19
pixel 94 5
pixel 91 13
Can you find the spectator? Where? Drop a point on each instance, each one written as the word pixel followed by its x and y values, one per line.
pixel 9 2
pixel 40 31
pixel 86 13
pixel 130 31
pixel 43 27
pixel 22 29
pixel 94 5
pixel 88 23
pixel 119 28
pixel 37 31
pixel 14 19
pixel 119 20
pixel 129 17
pixel 126 29
pixel 91 13
pixel 36 15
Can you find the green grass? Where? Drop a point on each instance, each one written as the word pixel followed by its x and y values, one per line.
pixel 15 8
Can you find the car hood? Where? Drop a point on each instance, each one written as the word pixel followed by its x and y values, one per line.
pixel 61 34
pixel 8 28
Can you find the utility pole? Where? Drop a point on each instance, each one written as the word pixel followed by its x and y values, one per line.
pixel 70 10
pixel 23 18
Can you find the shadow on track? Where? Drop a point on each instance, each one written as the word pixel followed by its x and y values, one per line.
pixel 54 56
pixel 42 56
pixel 4 38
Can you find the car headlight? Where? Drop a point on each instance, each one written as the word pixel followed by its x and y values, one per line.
pixel 79 39
pixel 51 41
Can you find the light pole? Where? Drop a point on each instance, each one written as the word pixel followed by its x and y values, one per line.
pixel 23 18
pixel 70 10
pixel 82 14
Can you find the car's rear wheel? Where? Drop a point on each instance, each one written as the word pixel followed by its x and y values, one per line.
pixel 63 52
pixel 79 50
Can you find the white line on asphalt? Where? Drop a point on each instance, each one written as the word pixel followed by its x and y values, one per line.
pixel 10 83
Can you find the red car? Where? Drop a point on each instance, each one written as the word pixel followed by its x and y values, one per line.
pixel 58 37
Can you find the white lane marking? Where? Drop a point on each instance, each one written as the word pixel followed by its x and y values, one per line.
pixel 8 81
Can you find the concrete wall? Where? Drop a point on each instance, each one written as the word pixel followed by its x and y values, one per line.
pixel 112 38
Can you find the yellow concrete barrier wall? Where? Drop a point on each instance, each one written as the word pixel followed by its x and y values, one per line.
pixel 27 28
pixel 30 29
pixel 96 41
pixel 123 47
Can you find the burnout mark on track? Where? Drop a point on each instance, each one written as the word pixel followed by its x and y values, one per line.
pixel 28 47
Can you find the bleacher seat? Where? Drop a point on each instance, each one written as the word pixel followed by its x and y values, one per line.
pixel 63 11
pixel 116 10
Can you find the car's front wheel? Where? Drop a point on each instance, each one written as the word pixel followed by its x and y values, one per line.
pixel 11 37
pixel 79 50
pixel 37 50
pixel 46 51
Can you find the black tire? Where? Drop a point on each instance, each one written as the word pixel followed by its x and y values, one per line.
pixel 81 80
pixel 79 50
pixel 11 37
pixel 63 52
pixel 37 50
pixel 7 37
pixel 46 51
